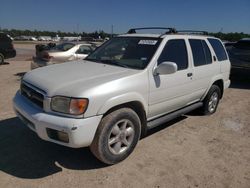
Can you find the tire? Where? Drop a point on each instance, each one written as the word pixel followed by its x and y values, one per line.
pixel 212 100
pixel 1 59
pixel 116 136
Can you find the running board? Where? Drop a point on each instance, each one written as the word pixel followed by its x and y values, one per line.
pixel 156 122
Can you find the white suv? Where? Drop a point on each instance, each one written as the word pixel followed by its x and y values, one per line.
pixel 131 83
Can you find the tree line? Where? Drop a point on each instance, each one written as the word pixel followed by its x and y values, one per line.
pixel 96 34
pixel 36 33
pixel 230 36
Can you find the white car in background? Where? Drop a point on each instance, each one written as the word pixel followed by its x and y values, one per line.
pixel 60 53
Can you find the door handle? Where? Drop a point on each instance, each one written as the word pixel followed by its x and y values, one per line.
pixel 189 74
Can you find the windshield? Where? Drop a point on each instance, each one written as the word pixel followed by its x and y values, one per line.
pixel 130 52
pixel 63 47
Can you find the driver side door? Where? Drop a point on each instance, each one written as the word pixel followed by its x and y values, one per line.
pixel 171 92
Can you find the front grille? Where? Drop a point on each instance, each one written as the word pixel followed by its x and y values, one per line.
pixel 32 94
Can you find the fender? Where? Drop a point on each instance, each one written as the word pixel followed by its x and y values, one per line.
pixel 121 99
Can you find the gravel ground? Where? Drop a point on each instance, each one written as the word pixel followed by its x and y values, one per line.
pixel 191 151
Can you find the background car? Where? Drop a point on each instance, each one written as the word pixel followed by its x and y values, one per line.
pixel 53 54
pixel 239 54
pixel 6 48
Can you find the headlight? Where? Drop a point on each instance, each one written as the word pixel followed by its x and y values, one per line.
pixel 74 106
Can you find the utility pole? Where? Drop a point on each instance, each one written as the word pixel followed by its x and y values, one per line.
pixel 77 31
pixel 77 28
pixel 112 30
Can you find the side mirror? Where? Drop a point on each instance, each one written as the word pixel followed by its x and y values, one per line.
pixel 165 68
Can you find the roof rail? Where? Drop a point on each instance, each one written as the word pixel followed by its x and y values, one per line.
pixel 169 29
pixel 193 32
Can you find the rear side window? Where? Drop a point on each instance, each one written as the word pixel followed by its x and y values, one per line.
pixel 84 50
pixel 175 51
pixel 201 52
pixel 218 49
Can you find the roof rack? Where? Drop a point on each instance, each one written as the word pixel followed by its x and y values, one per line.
pixel 169 29
pixel 193 32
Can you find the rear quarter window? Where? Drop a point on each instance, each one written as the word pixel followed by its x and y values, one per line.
pixel 218 49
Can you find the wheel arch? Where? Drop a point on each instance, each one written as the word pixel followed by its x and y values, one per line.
pixel 220 84
pixel 216 81
pixel 136 103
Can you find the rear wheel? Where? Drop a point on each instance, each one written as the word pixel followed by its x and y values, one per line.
pixel 211 101
pixel 116 136
pixel 1 58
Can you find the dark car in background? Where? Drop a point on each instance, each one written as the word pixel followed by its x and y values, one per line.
pixel 239 54
pixel 6 48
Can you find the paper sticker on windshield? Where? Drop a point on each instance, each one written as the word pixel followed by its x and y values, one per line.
pixel 148 42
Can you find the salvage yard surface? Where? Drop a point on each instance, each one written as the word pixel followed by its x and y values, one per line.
pixel 191 151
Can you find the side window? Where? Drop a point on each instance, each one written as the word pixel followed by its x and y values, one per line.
pixel 175 51
pixel 198 52
pixel 84 50
pixel 218 49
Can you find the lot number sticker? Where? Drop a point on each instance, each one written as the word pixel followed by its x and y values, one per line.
pixel 148 42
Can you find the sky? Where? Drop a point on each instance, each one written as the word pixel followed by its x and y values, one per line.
pixel 91 15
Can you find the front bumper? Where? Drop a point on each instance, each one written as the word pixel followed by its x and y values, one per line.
pixel 80 131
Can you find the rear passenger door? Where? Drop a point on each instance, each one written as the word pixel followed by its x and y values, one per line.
pixel 204 67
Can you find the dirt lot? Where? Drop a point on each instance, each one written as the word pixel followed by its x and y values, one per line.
pixel 192 151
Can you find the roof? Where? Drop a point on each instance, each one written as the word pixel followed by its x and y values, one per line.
pixel 169 31
pixel 161 35
pixel 140 35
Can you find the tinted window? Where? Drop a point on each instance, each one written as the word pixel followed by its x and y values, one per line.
pixel 175 51
pixel 199 57
pixel 207 52
pixel 218 49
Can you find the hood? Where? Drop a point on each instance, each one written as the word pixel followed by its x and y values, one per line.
pixel 73 78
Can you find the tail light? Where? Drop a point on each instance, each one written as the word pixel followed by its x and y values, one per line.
pixel 11 46
pixel 46 56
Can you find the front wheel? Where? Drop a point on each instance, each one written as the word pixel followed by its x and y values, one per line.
pixel 211 101
pixel 116 136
